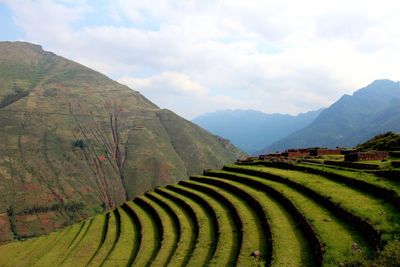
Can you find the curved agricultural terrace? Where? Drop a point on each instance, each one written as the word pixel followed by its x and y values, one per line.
pixel 249 214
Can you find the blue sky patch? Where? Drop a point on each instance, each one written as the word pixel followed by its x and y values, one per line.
pixel 8 30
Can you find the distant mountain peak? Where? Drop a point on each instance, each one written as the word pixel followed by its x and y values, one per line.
pixel 352 119
pixel 383 82
pixel 251 130
pixel 378 86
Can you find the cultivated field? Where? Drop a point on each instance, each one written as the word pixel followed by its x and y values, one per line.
pixel 251 214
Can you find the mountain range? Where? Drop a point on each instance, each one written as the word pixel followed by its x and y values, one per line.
pixel 251 130
pixel 74 142
pixel 353 119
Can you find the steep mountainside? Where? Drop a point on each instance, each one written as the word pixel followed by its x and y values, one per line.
pixel 252 130
pixel 351 120
pixel 73 142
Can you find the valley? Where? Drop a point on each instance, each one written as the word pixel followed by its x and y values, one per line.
pixel 199 133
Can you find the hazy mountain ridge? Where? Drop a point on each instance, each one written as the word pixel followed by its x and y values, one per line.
pixel 371 110
pixel 252 130
pixel 74 142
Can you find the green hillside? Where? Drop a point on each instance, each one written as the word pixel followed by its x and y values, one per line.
pixel 388 141
pixel 74 143
pixel 287 214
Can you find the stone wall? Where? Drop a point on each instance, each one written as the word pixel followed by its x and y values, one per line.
pixel 322 152
pixel 370 155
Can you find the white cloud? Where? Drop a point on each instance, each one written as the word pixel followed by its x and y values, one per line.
pixel 178 92
pixel 167 83
pixel 275 56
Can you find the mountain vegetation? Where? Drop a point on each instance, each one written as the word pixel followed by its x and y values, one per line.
pixel 388 141
pixel 372 110
pixel 259 213
pixel 252 130
pixel 74 143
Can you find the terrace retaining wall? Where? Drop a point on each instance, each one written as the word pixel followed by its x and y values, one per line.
pixel 395 164
pixel 353 165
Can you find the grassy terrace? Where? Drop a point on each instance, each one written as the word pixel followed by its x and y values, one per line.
pixel 290 245
pixel 337 236
pixel 206 219
pixel 169 233
pixel 230 236
pixel 226 246
pixel 151 239
pixel 55 253
pixel 111 236
pixel 381 214
pixel 19 252
pixel 358 175
pixel 307 214
pixel 187 229
pixel 29 252
pixel 80 254
pixel 192 230
pixel 374 183
pixel 248 222
pixel 127 244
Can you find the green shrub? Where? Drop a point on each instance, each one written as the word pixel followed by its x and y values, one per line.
pixel 79 144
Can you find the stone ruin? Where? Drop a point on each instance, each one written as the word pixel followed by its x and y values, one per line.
pixel 364 156
pixel 323 152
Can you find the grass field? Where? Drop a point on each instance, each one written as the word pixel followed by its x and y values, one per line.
pixel 308 214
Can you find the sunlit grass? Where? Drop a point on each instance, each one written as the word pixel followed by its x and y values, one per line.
pixel 337 235
pixel 383 215
pixel 290 246
pixel 253 238
pixel 187 237
pixel 150 239
pixel 201 252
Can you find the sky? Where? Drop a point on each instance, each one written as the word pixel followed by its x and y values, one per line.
pixel 193 57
